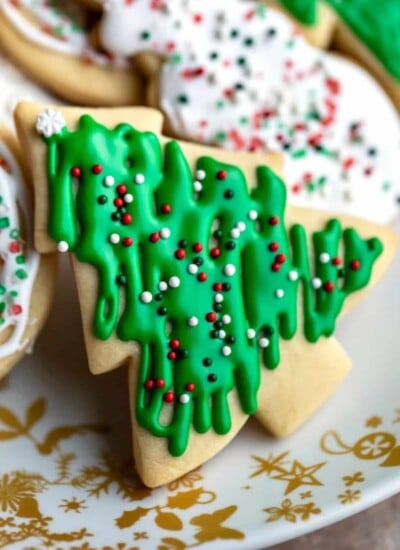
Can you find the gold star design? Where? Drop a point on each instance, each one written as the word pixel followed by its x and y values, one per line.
pixel 373 422
pixel 300 475
pixel 270 464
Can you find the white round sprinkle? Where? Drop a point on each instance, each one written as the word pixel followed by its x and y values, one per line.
pixel 62 246
pixel 174 282
pixel 109 181
pixel 200 174
pixel 229 270
pixel 163 286
pixel 219 298
pixel 263 342
pixel 293 275
pixel 316 283
pixel 165 233
pixel 197 186
pixel 115 238
pixel 128 198
pixel 222 334
pixel 251 333
pixel 241 226
pixel 146 297
pixel 193 269
pixel 226 350
pixel 280 293
pixel 193 321
pixel 184 398
pixel 226 319
pixel 235 233
pixel 252 215
pixel 139 179
pixel 324 258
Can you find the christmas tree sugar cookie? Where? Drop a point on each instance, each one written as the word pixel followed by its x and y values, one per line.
pixel 51 42
pixel 257 85
pixel 222 300
pixel 26 278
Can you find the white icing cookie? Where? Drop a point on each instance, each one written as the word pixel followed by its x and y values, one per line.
pixel 243 78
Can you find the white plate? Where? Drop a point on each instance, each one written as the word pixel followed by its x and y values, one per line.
pixel 65 476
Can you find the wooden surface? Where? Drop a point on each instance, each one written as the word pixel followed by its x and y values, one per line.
pixel 375 529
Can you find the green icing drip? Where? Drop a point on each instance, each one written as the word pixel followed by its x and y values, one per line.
pixel 261 295
pixel 304 10
pixel 378 25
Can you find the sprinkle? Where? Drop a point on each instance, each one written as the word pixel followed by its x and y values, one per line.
pixel 329 286
pixel 139 179
pixel 76 172
pixel 273 247
pixel 324 258
pixel 169 397
pixel 250 333
pixel 128 198
pixel 241 226
pixel 316 283
pixel 235 233
pixel 263 343
pixel 190 387
pixel 202 277
pixel 226 351
pixel 280 293
pixel 174 282
pixel 229 270
pixel 226 319
pixel 293 275
pixel 146 297
pixel 193 269
pixel 165 233
pixel 127 242
pixel 200 175
pixel 159 383
pixel 97 169
pixel 184 398
pixel 114 238
pixel 355 265
pixel 193 321
pixel 252 215
pixel 62 246
pixel 211 317
pixel 219 298
pixel 163 286
pixel 273 220
pixel 109 181
pixel 222 334
pixel 197 186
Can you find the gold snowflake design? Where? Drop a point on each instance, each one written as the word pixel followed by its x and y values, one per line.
pixel 349 496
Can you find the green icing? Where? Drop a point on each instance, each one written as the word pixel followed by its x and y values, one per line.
pixel 304 10
pixel 217 355
pixel 378 25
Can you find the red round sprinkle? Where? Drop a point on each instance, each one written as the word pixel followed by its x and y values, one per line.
pixel 169 397
pixel 211 317
pixel 127 241
pixel 174 344
pixel 190 387
pixel 336 260
pixel 273 247
pixel 275 267
pixel 215 252
pixel 126 219
pixel 76 172
pixel 97 169
pixel 16 309
pixel 280 258
pixel 166 209
pixel 180 254
pixel 149 384
pixel 202 277
pixel 329 286
pixel 222 175
pixel 159 383
pixel 171 355
pixel 218 287
pixel 274 220
pixel 121 189
pixel 154 237
pixel 355 265
pixel 197 247
pixel 118 202
pixel 14 247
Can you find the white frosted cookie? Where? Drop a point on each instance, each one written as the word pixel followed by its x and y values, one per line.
pixel 51 42
pixel 245 79
pixel 26 279
pixel 193 270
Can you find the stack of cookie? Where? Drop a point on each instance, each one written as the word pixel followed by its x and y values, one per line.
pixel 218 265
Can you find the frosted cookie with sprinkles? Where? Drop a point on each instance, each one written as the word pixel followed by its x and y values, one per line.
pixel 221 298
pixel 26 278
pixel 51 42
pixel 246 80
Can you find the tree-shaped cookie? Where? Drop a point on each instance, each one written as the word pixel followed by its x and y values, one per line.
pixel 193 278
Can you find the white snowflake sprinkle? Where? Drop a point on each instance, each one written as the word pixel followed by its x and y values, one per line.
pixel 50 123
